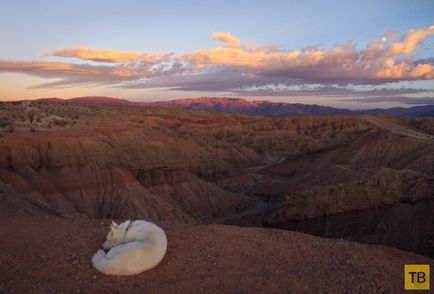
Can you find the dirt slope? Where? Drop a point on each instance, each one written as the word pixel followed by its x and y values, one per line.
pixel 50 255
pixel 393 126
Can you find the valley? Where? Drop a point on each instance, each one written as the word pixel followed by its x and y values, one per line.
pixel 364 178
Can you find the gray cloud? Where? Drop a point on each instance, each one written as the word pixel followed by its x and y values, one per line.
pixel 405 100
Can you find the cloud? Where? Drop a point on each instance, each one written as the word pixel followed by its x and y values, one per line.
pixel 323 90
pixel 108 55
pixel 378 63
pixel 239 67
pixel 423 70
pixel 424 61
pixel 409 41
pixel 65 74
pixel 230 40
pixel 401 99
pixel 48 68
pixel 71 73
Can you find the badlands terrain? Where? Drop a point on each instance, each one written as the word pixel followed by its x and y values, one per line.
pixel 240 197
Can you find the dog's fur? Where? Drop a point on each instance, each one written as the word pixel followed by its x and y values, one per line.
pixel 134 248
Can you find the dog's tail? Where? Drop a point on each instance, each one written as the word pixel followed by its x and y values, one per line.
pixel 100 262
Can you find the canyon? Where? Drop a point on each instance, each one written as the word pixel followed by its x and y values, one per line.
pixel 364 178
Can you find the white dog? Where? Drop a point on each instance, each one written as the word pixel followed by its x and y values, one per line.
pixel 134 248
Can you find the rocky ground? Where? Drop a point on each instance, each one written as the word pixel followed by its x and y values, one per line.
pixel 51 255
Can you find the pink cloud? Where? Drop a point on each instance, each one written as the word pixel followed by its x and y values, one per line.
pixel 108 55
pixel 378 62
pixel 228 39
pixel 236 65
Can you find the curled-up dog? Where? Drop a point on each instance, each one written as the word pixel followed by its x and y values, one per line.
pixel 133 247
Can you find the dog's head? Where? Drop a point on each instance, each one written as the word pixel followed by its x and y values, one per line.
pixel 116 234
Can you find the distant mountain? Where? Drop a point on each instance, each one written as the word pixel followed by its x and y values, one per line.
pixel 243 106
pixel 425 110
pixel 52 99
pixel 91 100
pixel 247 107
pixel 100 100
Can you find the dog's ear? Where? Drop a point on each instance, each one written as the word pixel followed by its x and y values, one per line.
pixel 124 225
pixel 113 225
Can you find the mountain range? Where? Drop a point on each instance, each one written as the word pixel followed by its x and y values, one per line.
pixel 248 107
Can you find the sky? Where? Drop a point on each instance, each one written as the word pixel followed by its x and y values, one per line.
pixel 352 54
